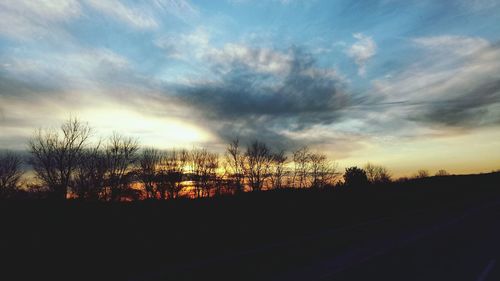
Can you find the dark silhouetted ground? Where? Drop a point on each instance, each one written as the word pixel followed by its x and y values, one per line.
pixel 440 228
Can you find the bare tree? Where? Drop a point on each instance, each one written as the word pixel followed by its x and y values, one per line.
pixel 212 170
pixel 121 155
pixel 197 159
pixel 149 164
pixel 421 174
pixel 377 174
pixel 383 175
pixel 90 173
pixel 234 160
pixel 220 181
pixel 371 172
pixel 54 154
pixel 277 169
pixel 172 173
pixel 257 162
pixel 10 172
pixel 203 166
pixel 322 171
pixel 301 162
pixel 442 173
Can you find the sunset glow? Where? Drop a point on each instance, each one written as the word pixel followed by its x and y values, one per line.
pixel 158 132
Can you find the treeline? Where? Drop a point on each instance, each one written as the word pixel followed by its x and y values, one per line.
pixel 67 164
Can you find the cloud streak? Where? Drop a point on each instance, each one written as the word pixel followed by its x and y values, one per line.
pixel 457 85
pixel 28 20
pixel 132 16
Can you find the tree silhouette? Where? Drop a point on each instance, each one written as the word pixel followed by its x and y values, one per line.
pixel 301 160
pixel 421 174
pixel 172 172
pixel 149 162
pixel 203 169
pixel 120 155
pixel 377 174
pixel 311 169
pixel 235 161
pixel 277 169
pixel 322 171
pixel 257 161
pixel 355 177
pixel 220 180
pixel 442 173
pixel 90 173
pixel 55 154
pixel 65 160
pixel 212 167
pixel 10 172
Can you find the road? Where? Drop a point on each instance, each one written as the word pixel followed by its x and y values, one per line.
pixel 456 243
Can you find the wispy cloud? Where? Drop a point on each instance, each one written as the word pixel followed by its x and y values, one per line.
pixel 133 16
pixel 179 8
pixel 185 46
pixel 31 20
pixel 456 85
pixel 459 45
pixel 66 70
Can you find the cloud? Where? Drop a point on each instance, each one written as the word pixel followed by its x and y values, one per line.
pixel 185 46
pixel 455 85
pixel 180 8
pixel 89 68
pixel 97 85
pixel 262 60
pixel 133 16
pixel 197 46
pixel 362 51
pixel 260 94
pixel 256 92
pixel 63 81
pixel 30 20
pixel 147 14
pixel 459 45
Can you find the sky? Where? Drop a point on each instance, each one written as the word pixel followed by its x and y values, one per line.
pixel 406 84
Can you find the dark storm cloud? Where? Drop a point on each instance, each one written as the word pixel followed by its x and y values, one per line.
pixel 249 103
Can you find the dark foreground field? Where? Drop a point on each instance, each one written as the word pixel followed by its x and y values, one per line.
pixel 441 228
